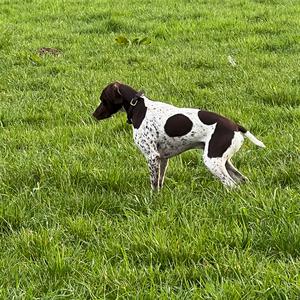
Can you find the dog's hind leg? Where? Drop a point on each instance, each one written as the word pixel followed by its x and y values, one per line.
pixel 162 171
pixel 234 173
pixel 236 144
pixel 216 166
pixel 217 154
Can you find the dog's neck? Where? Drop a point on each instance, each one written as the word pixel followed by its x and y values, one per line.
pixel 134 105
pixel 127 93
pixel 136 111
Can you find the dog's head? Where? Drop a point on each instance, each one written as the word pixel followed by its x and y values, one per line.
pixel 113 98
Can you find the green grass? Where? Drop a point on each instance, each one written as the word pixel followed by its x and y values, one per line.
pixel 77 217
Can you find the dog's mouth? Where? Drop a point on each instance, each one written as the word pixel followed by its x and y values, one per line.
pixel 106 110
pixel 101 112
pixel 101 116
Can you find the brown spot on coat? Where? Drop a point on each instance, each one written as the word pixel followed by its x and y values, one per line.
pixel 219 141
pixel 210 118
pixel 178 125
pixel 223 134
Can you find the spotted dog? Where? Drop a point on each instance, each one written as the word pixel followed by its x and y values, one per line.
pixel 162 130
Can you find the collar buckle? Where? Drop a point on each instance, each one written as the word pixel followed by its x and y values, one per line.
pixel 134 101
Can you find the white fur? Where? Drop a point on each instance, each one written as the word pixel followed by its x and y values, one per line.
pixel 158 147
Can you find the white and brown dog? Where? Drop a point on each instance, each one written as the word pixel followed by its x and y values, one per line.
pixel 162 130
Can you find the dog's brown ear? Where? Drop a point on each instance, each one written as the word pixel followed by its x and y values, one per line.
pixel 116 85
pixel 117 95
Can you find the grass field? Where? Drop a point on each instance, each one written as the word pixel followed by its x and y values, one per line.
pixel 77 217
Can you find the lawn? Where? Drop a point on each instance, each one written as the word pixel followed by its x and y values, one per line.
pixel 77 217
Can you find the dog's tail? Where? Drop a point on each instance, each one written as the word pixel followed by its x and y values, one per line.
pixel 251 137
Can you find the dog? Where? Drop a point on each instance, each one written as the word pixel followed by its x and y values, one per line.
pixel 162 131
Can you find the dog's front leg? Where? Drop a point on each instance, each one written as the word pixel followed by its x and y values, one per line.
pixel 153 163
pixel 162 171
